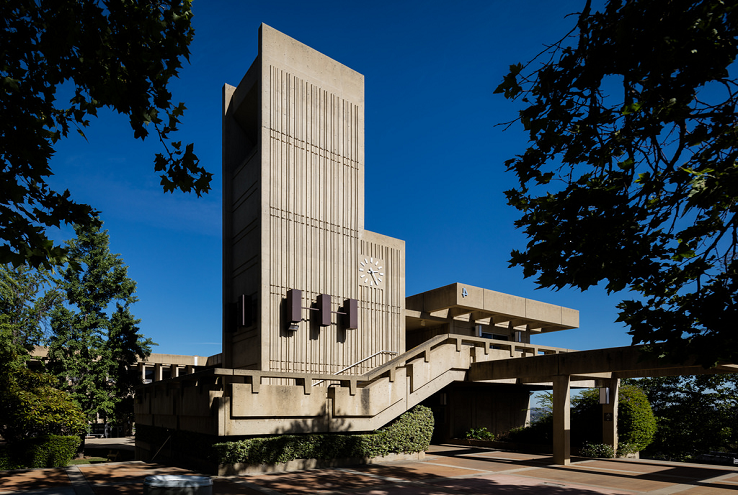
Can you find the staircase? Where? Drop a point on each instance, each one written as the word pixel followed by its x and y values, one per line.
pixel 227 402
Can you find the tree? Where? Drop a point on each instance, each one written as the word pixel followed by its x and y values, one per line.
pixel 630 177
pixel 695 414
pixel 95 338
pixel 29 404
pixel 26 297
pixel 119 55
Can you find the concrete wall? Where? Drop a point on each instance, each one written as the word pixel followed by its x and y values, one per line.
pixel 293 182
pixel 462 406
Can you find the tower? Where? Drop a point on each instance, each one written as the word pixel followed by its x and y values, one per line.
pixel 293 221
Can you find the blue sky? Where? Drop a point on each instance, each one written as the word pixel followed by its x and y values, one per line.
pixel 434 157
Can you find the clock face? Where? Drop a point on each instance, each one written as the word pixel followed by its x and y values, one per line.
pixel 371 272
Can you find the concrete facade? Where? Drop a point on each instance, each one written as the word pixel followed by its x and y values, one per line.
pixel 293 218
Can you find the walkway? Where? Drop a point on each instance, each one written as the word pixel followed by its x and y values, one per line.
pixel 446 470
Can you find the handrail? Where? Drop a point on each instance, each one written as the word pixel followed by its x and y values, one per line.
pixel 357 363
pixel 370 376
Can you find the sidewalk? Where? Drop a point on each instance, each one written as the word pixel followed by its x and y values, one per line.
pixel 447 469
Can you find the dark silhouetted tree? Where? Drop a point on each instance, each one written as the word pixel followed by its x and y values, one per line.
pixel 630 178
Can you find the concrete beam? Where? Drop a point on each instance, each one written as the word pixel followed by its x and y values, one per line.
pixel 624 362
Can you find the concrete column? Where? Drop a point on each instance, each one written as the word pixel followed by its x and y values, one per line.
pixel 173 371
pixel 610 414
pixel 561 421
pixel 142 371
pixel 158 372
pixel 189 369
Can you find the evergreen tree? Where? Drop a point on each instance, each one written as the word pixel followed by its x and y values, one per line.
pixel 95 338
pixel 26 297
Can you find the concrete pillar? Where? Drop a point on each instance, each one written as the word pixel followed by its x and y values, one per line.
pixel 142 371
pixel 173 371
pixel 561 420
pixel 157 372
pixel 610 414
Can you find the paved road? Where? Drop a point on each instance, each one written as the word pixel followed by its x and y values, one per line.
pixel 447 469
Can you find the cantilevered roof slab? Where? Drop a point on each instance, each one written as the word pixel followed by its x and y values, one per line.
pixel 459 299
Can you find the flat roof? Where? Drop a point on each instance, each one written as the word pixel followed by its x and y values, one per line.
pixel 466 301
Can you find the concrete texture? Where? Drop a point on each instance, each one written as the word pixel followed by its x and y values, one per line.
pixel 447 469
pixel 204 403
pixel 293 218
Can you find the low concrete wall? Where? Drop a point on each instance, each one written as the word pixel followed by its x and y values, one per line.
pixel 303 464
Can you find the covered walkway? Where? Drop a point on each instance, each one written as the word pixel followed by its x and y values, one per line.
pixel 605 366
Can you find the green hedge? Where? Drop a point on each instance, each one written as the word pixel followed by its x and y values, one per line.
pixel 636 422
pixel 40 452
pixel 409 433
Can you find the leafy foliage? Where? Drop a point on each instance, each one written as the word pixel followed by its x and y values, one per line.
pixel 636 421
pixel 29 404
pixel 540 432
pixel 695 414
pixel 119 55
pixel 631 176
pixel 481 433
pixel 410 433
pixel 598 450
pixel 95 337
pixel 26 297
pixel 42 452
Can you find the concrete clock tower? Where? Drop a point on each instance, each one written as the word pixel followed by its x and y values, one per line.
pixel 293 221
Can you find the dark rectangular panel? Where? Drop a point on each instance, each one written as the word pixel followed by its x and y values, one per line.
pixel 324 309
pixel 351 307
pixel 294 305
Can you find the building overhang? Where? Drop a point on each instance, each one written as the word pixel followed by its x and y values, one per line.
pixel 463 301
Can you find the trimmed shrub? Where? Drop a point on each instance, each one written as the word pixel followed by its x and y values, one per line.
pixel 636 422
pixel 600 450
pixel 409 433
pixel 40 452
pixel 625 449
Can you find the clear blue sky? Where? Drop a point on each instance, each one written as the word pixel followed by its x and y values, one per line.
pixel 434 158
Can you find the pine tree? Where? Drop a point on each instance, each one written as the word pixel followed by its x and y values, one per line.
pixel 26 297
pixel 95 336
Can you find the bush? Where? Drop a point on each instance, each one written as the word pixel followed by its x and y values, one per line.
pixel 636 422
pixel 40 452
pixel 481 433
pixel 625 449
pixel 601 450
pixel 538 433
pixel 409 433
pixel 30 407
